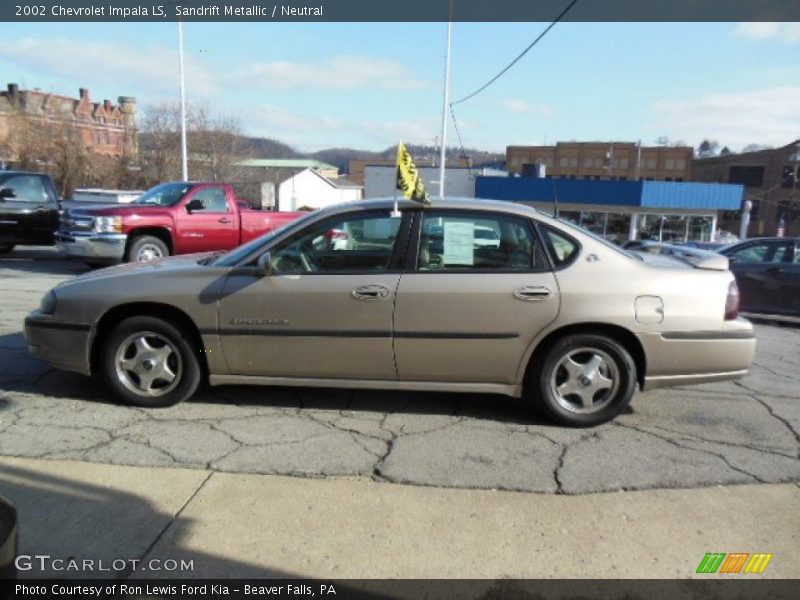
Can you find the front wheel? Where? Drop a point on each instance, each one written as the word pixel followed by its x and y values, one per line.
pixel 145 248
pixel 585 380
pixel 148 362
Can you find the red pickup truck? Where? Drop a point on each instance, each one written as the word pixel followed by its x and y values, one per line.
pixel 171 218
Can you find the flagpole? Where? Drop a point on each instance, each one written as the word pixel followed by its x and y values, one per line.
pixel 445 103
pixel 396 211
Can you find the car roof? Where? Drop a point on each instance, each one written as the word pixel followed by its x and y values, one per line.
pixel 436 203
pixel 21 173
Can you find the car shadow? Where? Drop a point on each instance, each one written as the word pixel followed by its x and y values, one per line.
pixel 106 526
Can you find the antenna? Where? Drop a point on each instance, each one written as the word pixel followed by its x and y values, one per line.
pixel 555 199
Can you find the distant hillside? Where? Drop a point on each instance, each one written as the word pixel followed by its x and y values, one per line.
pixel 256 147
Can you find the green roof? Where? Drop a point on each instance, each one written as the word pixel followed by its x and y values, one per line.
pixel 287 163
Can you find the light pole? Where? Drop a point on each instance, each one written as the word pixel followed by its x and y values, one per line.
pixel 184 154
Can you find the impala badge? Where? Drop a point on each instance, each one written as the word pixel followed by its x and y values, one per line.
pixel 243 321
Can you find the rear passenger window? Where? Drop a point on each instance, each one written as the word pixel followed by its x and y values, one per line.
pixel 477 241
pixel 562 248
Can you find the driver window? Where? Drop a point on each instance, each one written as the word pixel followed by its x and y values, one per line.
pixel 214 199
pixel 345 245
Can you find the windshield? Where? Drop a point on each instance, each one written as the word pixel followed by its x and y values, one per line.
pixel 236 256
pixel 600 239
pixel 166 194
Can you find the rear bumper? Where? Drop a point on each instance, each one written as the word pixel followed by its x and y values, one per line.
pixel 64 345
pixel 100 247
pixel 690 357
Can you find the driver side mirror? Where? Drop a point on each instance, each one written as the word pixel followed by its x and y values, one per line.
pixel 195 204
pixel 7 193
pixel 264 265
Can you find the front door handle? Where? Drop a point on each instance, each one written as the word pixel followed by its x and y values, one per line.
pixel 225 220
pixel 532 292
pixel 371 292
pixel 775 271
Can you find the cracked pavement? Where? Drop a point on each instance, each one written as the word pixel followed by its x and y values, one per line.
pixel 714 434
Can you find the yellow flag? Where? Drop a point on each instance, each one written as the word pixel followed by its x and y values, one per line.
pixel 408 179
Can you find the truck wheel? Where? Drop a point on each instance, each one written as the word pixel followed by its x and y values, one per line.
pixel 145 248
pixel 585 380
pixel 4 248
pixel 148 362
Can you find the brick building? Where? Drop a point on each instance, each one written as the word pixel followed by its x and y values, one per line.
pixel 770 180
pixel 105 128
pixel 603 160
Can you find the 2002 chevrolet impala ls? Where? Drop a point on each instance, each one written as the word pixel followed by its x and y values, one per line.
pixel 356 296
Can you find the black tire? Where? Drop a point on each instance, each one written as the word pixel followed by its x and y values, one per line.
pixel 164 346
pixel 584 380
pixel 146 245
pixel 5 248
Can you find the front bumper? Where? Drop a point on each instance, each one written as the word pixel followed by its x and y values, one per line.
pixel 63 344
pixel 100 247
pixel 683 358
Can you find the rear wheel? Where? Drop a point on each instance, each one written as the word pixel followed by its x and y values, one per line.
pixel 585 380
pixel 145 248
pixel 4 248
pixel 148 362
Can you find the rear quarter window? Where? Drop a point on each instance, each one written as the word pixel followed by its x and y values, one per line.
pixel 563 250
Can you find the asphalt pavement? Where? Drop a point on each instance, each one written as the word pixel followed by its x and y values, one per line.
pixel 713 465
pixel 725 433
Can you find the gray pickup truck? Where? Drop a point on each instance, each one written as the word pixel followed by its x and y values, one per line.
pixel 29 209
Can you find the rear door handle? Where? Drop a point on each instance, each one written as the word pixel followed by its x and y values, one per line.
pixel 371 292
pixel 532 292
pixel 775 271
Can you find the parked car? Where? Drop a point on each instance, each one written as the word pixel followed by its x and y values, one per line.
pixel 8 542
pixel 171 218
pixel 712 246
pixel 767 271
pixel 29 209
pixel 555 315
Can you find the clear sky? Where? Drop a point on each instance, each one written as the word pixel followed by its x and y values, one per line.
pixel 369 85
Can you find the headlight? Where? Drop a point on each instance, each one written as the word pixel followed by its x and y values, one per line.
pixel 48 304
pixel 108 224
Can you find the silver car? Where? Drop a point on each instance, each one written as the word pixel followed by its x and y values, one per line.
pixel 552 315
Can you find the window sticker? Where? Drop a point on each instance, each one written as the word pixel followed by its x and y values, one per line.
pixel 459 243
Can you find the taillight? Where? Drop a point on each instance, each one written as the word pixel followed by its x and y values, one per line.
pixel 732 302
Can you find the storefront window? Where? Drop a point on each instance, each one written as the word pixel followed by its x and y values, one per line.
pixel 674 229
pixel 700 228
pixel 570 215
pixel 594 222
pixel 617 228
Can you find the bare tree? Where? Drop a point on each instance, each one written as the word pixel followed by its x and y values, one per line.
pixel 213 143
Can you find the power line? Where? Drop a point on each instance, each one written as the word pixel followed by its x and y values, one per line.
pixel 523 53
pixel 458 135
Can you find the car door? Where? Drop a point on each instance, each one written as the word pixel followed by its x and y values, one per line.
pixel 28 209
pixel 468 312
pixel 326 309
pixel 214 227
pixel 758 269
pixel 792 280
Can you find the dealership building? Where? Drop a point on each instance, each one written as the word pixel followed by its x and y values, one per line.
pixel 620 210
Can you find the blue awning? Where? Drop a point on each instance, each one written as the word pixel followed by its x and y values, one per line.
pixel 645 194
